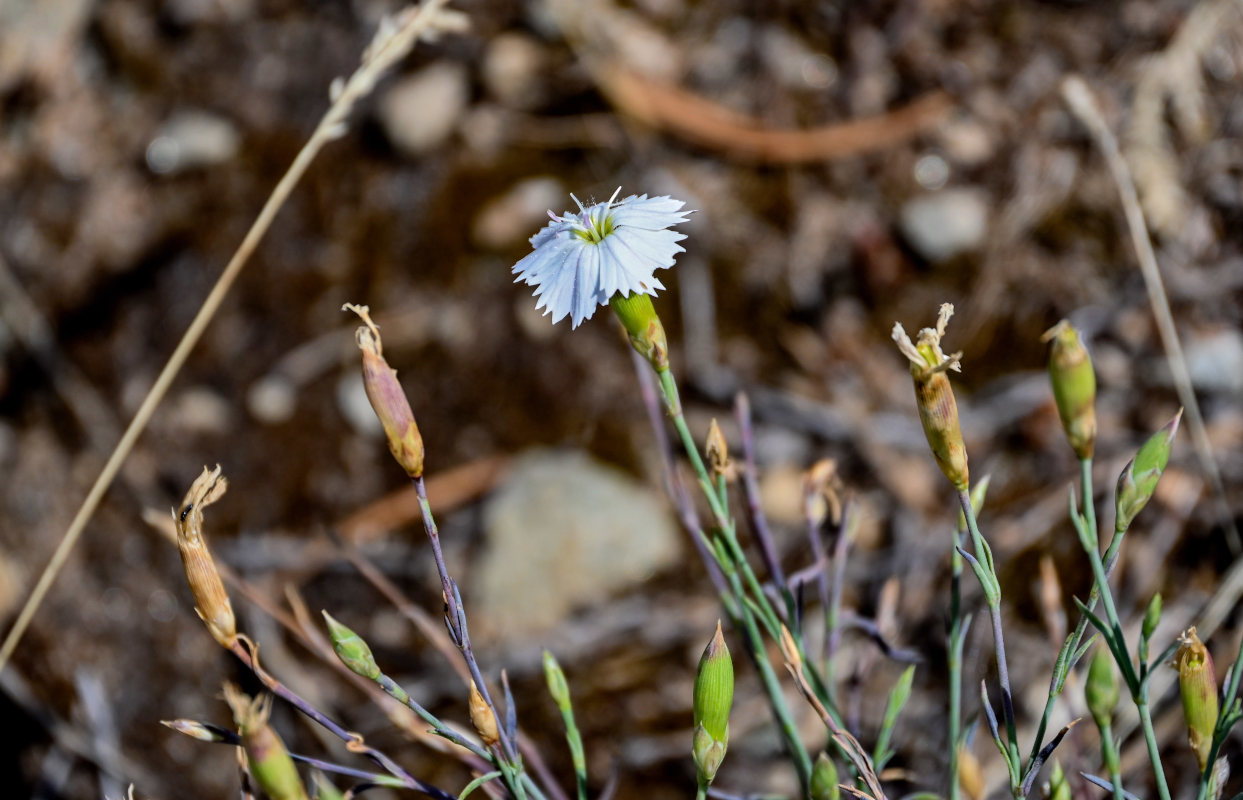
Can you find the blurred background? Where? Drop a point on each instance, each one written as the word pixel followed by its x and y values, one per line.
pixel 852 164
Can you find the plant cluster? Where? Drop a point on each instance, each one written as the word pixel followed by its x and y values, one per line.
pixel 607 254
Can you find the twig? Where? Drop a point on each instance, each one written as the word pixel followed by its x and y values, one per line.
pixel 1082 103
pixel 389 47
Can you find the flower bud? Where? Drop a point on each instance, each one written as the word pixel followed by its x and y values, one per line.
pixel 1139 479
pixel 1101 689
pixel 558 687
pixel 352 650
pixel 211 602
pixel 1198 686
pixel 203 731
pixel 388 400
pixel 1059 787
pixel 266 756
pixel 717 450
pixel 643 326
pixel 482 718
pixel 1152 616
pixel 938 410
pixel 713 697
pixel 824 779
pixel 1074 387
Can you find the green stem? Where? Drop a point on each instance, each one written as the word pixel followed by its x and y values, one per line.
pixel 701 792
pixel 772 687
pixel 1154 753
pixel 954 663
pixel 994 612
pixel 1109 753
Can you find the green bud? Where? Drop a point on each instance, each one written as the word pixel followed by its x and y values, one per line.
pixel 558 687
pixel 1198 686
pixel 824 779
pixel 324 790
pixel 203 731
pixel 1152 616
pixel 1139 479
pixel 268 760
pixel 1059 787
pixel 643 326
pixel 1101 689
pixel 1074 387
pixel 713 696
pixel 352 650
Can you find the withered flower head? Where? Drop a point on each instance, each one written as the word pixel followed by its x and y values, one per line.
pixel 211 602
pixel 266 756
pixel 388 400
pixel 938 411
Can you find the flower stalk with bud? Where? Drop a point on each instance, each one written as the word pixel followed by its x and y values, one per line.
pixel 713 698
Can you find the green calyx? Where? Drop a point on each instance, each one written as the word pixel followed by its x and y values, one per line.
pixel 1101 690
pixel 643 326
pixel 1074 387
pixel 1139 478
pixel 558 687
pixel 824 779
pixel 352 650
pixel 714 688
pixel 1152 616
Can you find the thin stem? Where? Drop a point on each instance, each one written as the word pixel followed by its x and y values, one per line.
pixel 954 649
pixel 352 739
pixel 1109 753
pixel 701 792
pixel 394 690
pixel 751 488
pixel 772 687
pixel 833 617
pixel 329 128
pixel 1154 753
pixel 994 612
pixel 455 619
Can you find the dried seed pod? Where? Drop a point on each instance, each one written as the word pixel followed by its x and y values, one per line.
pixel 716 450
pixel 938 410
pixel 482 718
pixel 211 602
pixel 388 400
pixel 1074 387
pixel 266 756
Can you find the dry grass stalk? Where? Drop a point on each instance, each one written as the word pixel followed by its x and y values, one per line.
pixel 392 42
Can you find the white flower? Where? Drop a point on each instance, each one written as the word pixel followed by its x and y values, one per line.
pixel 583 259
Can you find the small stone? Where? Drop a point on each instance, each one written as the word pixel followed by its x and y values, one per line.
pixel 272 399
pixel 355 407
pixel 421 111
pixel 191 140
pixel 510 218
pixel 565 531
pixel 946 223
pixel 511 70
pixel 1215 361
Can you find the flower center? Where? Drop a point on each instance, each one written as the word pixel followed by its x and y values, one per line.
pixel 595 225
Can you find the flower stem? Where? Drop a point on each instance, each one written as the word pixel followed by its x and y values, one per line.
pixel 1150 738
pixel 1109 753
pixel 957 636
pixel 994 611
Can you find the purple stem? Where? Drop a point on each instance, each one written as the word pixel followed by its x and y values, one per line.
pixel 840 549
pixel 751 487
pixel 455 617
pixel 674 486
pixel 353 741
